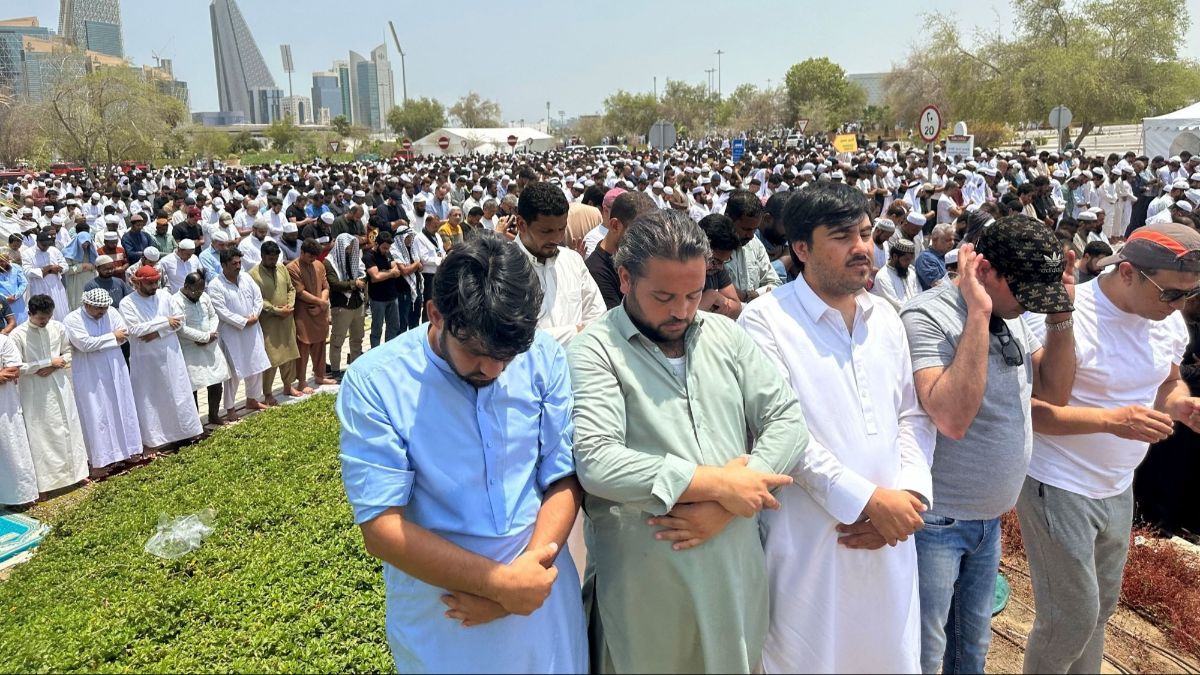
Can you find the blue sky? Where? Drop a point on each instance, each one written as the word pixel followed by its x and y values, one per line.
pixel 523 53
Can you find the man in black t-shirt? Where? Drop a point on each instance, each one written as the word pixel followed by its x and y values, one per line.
pixel 387 289
pixel 624 210
pixel 719 294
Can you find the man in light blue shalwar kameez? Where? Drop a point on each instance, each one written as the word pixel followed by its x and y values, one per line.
pixel 456 458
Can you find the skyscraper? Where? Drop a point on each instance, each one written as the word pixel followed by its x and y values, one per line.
pixel 92 24
pixel 244 84
pixel 383 74
pixel 327 93
pixel 372 93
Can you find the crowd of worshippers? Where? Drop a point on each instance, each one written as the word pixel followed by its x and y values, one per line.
pixel 866 325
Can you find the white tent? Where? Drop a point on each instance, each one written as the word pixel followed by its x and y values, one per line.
pixel 1172 133
pixel 483 141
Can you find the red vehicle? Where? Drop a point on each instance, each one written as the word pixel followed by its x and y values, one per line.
pixel 12 175
pixel 64 169
pixel 128 166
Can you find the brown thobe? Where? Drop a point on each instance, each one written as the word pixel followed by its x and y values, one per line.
pixel 279 332
pixel 312 319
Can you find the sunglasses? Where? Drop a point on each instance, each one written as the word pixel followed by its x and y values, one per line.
pixel 1172 295
pixel 1008 346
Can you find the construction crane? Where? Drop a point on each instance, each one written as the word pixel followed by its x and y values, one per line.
pixel 403 74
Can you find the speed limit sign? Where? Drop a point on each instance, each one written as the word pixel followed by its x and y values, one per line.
pixel 930 124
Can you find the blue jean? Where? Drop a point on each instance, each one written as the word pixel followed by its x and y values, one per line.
pixel 957 561
pixel 385 312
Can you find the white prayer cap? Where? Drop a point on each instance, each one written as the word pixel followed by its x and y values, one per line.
pixel 419 199
pixel 326 218
pixel 697 190
pixel 1179 185
pixel 96 195
pixel 111 236
pixel 916 218
pixel 221 235
pixel 1195 176
pixel 588 183
pixel 657 184
pixel 1059 173
pixel 1184 205
pixel 187 245
pixel 151 253
pixel 359 193
pixel 885 225
pixel 668 191
pixel 261 223
pixel 1193 195
pixel 103 260
pixel 1098 172
pixel 290 227
pixel 98 297
pixel 837 175
pixel 112 218
pixel 1086 216
pixel 726 187
pixel 48 208
pixel 217 202
pixel 728 169
pixel 1175 158
pixel 479 188
pixel 57 220
pixel 951 257
pixel 348 191
pixel 141 193
pixel 904 246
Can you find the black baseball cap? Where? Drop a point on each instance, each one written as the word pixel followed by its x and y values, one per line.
pixel 1026 253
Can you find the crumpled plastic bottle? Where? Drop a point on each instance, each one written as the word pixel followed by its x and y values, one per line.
pixel 176 537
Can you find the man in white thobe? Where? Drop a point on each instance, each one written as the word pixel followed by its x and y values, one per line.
pixel 44 266
pixel 865 476
pixel 51 417
pixel 897 281
pixel 570 298
pixel 206 364
pixel 251 246
pixel 238 302
pixel 156 367
pixel 18 480
pixel 100 380
pixel 176 265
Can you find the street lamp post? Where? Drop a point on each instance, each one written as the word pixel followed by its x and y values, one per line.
pixel 719 53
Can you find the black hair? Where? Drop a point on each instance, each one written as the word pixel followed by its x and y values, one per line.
pixel 593 195
pixel 1026 189
pixel 384 237
pixel 1097 249
pixel 742 204
pixel 475 211
pixel 310 246
pixel 486 290
pixel 719 230
pixel 269 248
pixel 833 205
pixel 193 277
pixel 528 174
pixel 41 304
pixel 630 205
pixel 774 205
pixel 229 254
pixel 541 199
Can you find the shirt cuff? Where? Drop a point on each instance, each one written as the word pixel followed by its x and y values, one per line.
pixel 848 496
pixel 674 477
pixel 373 488
pixel 919 480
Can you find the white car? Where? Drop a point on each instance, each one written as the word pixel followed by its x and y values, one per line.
pixel 793 139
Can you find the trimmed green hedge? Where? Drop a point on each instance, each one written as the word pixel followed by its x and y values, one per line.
pixel 282 585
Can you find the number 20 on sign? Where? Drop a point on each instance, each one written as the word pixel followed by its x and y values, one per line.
pixel 930 124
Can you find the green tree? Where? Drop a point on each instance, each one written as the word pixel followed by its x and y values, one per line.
pixel 210 143
pixel 1107 61
pixel 630 114
pixel 751 108
pixel 692 106
pixel 818 88
pixel 283 133
pixel 473 111
pixel 109 114
pixel 244 142
pixel 20 130
pixel 341 126
pixel 590 129
pixel 417 118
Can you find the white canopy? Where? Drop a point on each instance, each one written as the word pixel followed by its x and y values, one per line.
pixel 484 140
pixel 1172 133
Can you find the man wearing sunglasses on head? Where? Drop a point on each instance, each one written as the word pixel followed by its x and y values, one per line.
pixel 976 365
pixel 1076 507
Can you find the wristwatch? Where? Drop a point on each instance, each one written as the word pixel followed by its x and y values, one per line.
pixel 1060 326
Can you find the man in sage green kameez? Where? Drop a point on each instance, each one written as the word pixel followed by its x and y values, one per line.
pixel 682 428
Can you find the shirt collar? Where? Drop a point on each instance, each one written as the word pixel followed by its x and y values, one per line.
pixel 816 308
pixel 532 258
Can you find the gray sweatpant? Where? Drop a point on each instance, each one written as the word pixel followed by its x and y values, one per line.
pixel 1076 548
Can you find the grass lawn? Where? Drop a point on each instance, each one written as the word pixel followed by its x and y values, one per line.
pixel 282 585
